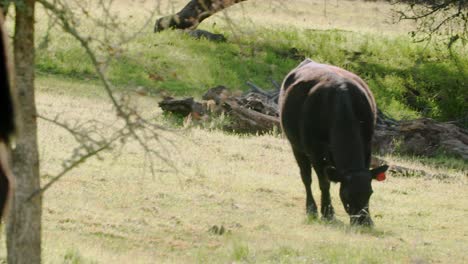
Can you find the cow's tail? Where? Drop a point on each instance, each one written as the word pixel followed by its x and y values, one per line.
pixel 312 124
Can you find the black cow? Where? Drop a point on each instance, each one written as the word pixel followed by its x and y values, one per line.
pixel 7 121
pixel 328 114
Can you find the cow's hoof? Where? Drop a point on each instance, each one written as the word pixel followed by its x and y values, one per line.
pixel 328 213
pixel 328 217
pixel 362 221
pixel 368 222
pixel 312 213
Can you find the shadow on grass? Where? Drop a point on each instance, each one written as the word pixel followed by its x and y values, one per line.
pixel 347 228
pixel 425 80
pixel 429 85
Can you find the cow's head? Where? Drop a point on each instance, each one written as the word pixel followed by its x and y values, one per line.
pixel 356 190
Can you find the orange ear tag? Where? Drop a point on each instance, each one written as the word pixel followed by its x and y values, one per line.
pixel 381 176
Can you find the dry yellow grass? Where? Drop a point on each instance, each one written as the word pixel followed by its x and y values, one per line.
pixel 359 16
pixel 115 211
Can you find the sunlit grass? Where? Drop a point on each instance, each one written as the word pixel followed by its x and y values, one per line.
pixel 115 211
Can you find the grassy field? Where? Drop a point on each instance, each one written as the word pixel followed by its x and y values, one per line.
pixel 115 211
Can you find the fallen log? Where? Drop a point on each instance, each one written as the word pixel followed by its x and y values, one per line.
pixel 192 14
pixel 256 111
pixel 427 137
pixel 217 94
pixel 259 103
pixel 402 171
pixel 183 107
pixel 203 34
pixel 246 120
pixel 421 137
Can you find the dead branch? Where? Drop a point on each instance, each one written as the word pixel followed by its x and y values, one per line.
pixel 433 17
pixel 90 141
pixel 403 171
pixel 193 14
pixel 246 120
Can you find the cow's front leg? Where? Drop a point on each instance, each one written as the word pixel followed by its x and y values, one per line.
pixel 306 175
pixel 328 213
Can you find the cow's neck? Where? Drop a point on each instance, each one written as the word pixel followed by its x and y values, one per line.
pixel 346 143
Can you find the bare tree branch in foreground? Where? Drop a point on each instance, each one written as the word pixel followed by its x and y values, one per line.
pixel 134 126
pixel 441 19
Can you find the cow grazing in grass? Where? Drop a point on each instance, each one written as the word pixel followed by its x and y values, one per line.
pixel 328 114
pixel 7 120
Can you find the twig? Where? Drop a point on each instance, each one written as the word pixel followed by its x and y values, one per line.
pixel 256 89
pixel 69 168
pixel 86 134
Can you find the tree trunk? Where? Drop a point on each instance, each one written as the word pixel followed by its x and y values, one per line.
pixel 24 223
pixel 193 14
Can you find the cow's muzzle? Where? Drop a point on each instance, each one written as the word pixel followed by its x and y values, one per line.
pixel 362 218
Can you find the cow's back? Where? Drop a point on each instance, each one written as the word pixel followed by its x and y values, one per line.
pixel 308 105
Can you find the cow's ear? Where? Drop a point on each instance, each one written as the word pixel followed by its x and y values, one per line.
pixel 379 173
pixel 332 174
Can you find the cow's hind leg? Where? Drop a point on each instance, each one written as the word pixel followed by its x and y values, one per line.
pixel 306 174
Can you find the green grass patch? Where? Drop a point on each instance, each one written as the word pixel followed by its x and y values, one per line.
pixel 73 256
pixel 409 80
pixel 442 160
pixel 240 252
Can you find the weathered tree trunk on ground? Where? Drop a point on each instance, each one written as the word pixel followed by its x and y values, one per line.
pixel 24 223
pixel 183 107
pixel 423 137
pixel 246 120
pixel 193 14
pixel 257 112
